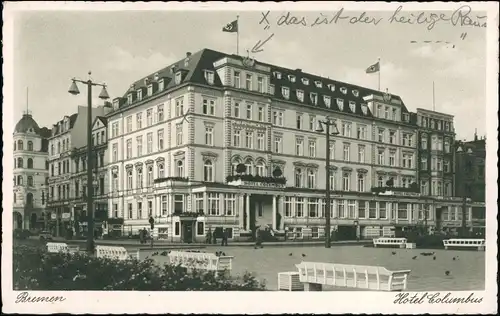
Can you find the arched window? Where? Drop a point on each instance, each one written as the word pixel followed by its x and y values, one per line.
pixel 311 179
pixel 52 149
pixel 30 163
pixel 19 180
pixel 139 178
pixel 260 169
pixel 30 181
pixel 30 145
pixel 208 171
pixel 59 147
pixel 298 177
pixel 150 176
pixel 180 168
pixel 234 164
pixel 20 145
pixel 161 171
pixel 380 181
pixel 19 162
pixel 361 182
pixel 249 165
pixel 29 198
pixel 129 179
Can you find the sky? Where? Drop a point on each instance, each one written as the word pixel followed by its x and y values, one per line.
pixel 52 47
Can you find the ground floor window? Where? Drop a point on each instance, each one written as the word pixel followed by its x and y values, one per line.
pixel 130 210
pixel 213 204
pixel 372 212
pixel 288 206
pixel 351 209
pixel 403 210
pixel 299 207
pixel 115 210
pixel 315 232
pixel 163 205
pixel 177 228
pixel 383 210
pixel 200 228
pixel 178 203
pixel 162 232
pixel 313 207
pixel 298 232
pixel 362 209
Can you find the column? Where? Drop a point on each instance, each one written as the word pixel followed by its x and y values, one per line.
pixel 221 204
pixel 282 212
pixel 377 216
pixel 389 211
pixel 205 203
pixel 274 212
pixel 241 210
pixel 247 211
pixel 396 211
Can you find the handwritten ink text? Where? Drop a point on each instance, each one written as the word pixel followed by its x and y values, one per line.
pixel 435 298
pixel 24 297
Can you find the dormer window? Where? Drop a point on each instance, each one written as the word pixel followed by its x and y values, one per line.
pixel 343 90
pixel 172 69
pixel 116 104
pixel 355 93
pixel 209 77
pixel 318 84
pixel 150 89
pixel 300 95
pixel 340 104
pixel 146 81
pixel 132 87
pixel 406 117
pixel 277 75
pixel 178 77
pixel 161 84
pixel 331 87
pixel 314 98
pixel 129 98
pixel 139 94
pixel 364 108
pixel 352 106
pixel 291 78
pixel 285 91
pixel 328 101
pixel 305 81
pixel 271 89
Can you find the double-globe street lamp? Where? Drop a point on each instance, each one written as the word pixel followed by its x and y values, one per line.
pixel 73 89
pixel 329 129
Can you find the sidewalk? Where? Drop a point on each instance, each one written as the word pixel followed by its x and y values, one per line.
pixel 164 243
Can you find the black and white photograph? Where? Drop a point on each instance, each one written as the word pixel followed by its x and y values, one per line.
pixel 250 153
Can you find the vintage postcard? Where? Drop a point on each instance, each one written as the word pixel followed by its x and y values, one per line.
pixel 249 158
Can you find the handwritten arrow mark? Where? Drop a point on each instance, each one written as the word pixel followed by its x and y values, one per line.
pixel 257 48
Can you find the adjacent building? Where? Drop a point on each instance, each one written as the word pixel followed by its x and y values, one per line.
pixel 220 141
pixel 66 135
pixel 30 174
pixel 470 178
pixel 79 183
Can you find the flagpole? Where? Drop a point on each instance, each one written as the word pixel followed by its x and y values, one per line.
pixel 237 35
pixel 433 98
pixel 379 74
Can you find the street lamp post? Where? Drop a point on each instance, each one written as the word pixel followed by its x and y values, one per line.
pixel 462 153
pixel 103 95
pixel 328 122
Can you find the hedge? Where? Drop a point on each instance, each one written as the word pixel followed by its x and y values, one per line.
pixel 36 269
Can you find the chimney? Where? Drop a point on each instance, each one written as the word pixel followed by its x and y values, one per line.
pixel 188 54
pixel 298 70
pixel 475 135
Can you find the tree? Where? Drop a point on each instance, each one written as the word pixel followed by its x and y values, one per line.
pixel 277 172
pixel 390 182
pixel 241 168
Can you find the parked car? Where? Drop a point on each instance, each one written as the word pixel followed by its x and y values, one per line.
pixel 46 235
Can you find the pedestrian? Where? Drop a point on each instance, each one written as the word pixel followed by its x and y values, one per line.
pixel 208 239
pixel 224 237
pixel 214 235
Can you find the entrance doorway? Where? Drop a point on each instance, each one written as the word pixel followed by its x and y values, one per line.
pixel 187 231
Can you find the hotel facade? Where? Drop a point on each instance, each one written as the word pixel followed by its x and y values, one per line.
pixel 220 141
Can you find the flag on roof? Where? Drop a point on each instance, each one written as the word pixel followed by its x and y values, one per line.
pixel 231 27
pixel 373 68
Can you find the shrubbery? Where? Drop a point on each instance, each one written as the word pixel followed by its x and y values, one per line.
pixel 35 269
pixel 21 233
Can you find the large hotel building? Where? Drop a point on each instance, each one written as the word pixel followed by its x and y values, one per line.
pixel 223 141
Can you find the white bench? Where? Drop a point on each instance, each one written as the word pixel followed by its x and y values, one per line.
pixel 316 274
pixel 464 243
pixel 55 247
pixel 201 260
pixel 390 242
pixel 112 252
pixel 289 281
